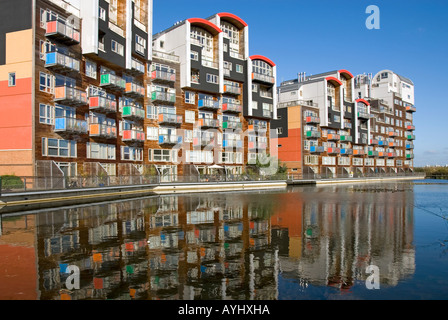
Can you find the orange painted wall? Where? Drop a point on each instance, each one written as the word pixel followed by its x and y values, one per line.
pixel 291 146
pixel 16 115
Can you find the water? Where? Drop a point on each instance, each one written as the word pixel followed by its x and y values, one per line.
pixel 300 243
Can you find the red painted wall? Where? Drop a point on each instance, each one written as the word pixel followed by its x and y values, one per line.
pixel 291 147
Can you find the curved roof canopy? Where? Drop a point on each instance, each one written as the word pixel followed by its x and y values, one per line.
pixel 363 101
pixel 263 58
pixel 207 25
pixel 237 21
pixel 334 81
pixel 347 74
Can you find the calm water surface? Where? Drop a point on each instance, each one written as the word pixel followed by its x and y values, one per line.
pixel 300 243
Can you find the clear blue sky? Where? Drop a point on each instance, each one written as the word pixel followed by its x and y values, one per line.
pixel 322 35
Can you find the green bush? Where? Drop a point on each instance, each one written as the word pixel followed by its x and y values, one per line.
pixel 11 182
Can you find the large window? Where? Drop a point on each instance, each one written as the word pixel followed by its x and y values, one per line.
pixel 46 114
pixel 58 148
pixel 101 151
pixel 91 69
pixel 203 38
pixel 117 48
pixel 233 34
pixel 46 83
pixel 131 154
pixel 261 67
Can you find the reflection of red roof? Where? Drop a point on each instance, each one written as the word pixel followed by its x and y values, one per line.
pixel 268 61
pixel 205 24
pixel 347 73
pixel 333 79
pixel 363 101
pixel 234 19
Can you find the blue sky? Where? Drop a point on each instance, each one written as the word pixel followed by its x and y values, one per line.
pixel 323 35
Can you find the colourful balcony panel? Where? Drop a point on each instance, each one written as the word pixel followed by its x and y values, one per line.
pixel 232 108
pixel 347 151
pixel 333 150
pixel 70 125
pixel 411 109
pixel 382 143
pixel 62 32
pixel 373 153
pixel 358 152
pixel 207 104
pixel 317 149
pixel 410 137
pixel 410 127
pixel 263 78
pixel 312 120
pixel 334 137
pixel 134 90
pixel 409 146
pixel 209 123
pixel 133 136
pixel 163 97
pixel 393 134
pixel 103 131
pixel 61 63
pixel 252 145
pixel 170 119
pixel 347 138
pixel 409 156
pixel 391 154
pixel 112 82
pixel 232 90
pixel 70 96
pixel 162 76
pixel 133 113
pixel 313 134
pixel 170 139
pixel 232 144
pixel 102 104
pixel 232 125
pixel 374 142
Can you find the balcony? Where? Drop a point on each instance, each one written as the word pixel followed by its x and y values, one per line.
pixel 409 145
pixel 263 78
pixel 102 104
pixel 70 96
pixel 393 134
pixel 333 150
pixel 137 67
pixel 391 144
pixel 163 97
pixel 63 33
pixel 61 63
pixel 391 154
pixel 347 138
pixel 209 123
pixel 363 141
pixel 382 143
pixel 133 113
pixel 170 119
pixel 133 136
pixel 381 154
pixel 312 120
pixel 232 144
pixel 235 90
pixel 232 108
pixel 409 156
pixel 317 149
pixel 235 125
pixel 373 153
pixel 208 104
pixel 411 109
pixel 70 125
pixel 103 131
pixel 358 152
pixel 410 127
pixel 363 115
pixel 163 76
pixel 374 142
pixel 410 136
pixel 333 137
pixel 204 142
pixel 112 82
pixel 313 134
pixel 170 140
pixel 258 126
pixel 347 151
pixel 134 90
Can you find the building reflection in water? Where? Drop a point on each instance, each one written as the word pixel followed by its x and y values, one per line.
pixel 224 246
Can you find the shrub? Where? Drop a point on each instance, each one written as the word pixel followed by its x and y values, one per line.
pixel 11 182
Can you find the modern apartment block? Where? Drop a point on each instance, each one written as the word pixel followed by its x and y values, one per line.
pixel 334 124
pixel 96 94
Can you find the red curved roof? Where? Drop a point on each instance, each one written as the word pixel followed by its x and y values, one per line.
pixel 363 101
pixel 333 79
pixel 263 58
pixel 205 23
pixel 347 73
pixel 232 17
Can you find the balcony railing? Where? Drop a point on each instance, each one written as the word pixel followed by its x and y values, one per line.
pixel 208 104
pixel 133 136
pixel 170 119
pixel 374 142
pixel 263 78
pixel 409 156
pixel 363 115
pixel 410 136
pixel 409 145
pixel 391 154
pixel 232 90
pixel 163 97
pixel 163 76
pixel 70 96
pixel 232 125
pixel 133 113
pixel 314 120
pixel 112 82
pixel 313 134
pixel 137 66
pixel 258 126
pixel 134 90
pixel 358 152
pixel 317 149
pixel 204 141
pixel 209 123
pixel 333 150
pixel 165 56
pixel 210 64
pixel 373 153
pixel 411 109
pixel 102 104
pixel 410 127
pixel 347 151
pixel 393 134
pixel 103 131
pixel 70 125
pixel 170 139
pixel 333 137
pixel 232 144
pixel 232 108
pixel 347 138
pixel 62 32
pixel 61 62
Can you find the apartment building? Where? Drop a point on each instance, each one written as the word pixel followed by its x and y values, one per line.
pixel 329 124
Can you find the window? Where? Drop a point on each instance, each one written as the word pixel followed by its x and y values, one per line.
pixel 140 44
pixel 131 153
pixel 102 14
pixel 279 130
pixel 194 55
pixel 212 78
pixel 254 105
pixel 152 112
pixel 188 136
pixel 239 68
pixel 117 48
pixel 254 87
pixel 46 114
pixel 58 148
pixel 195 76
pixel 190 116
pixel 12 79
pixel 101 151
pixel 91 68
pixel 159 155
pixel 152 133
pixel 46 83
pixel 190 97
